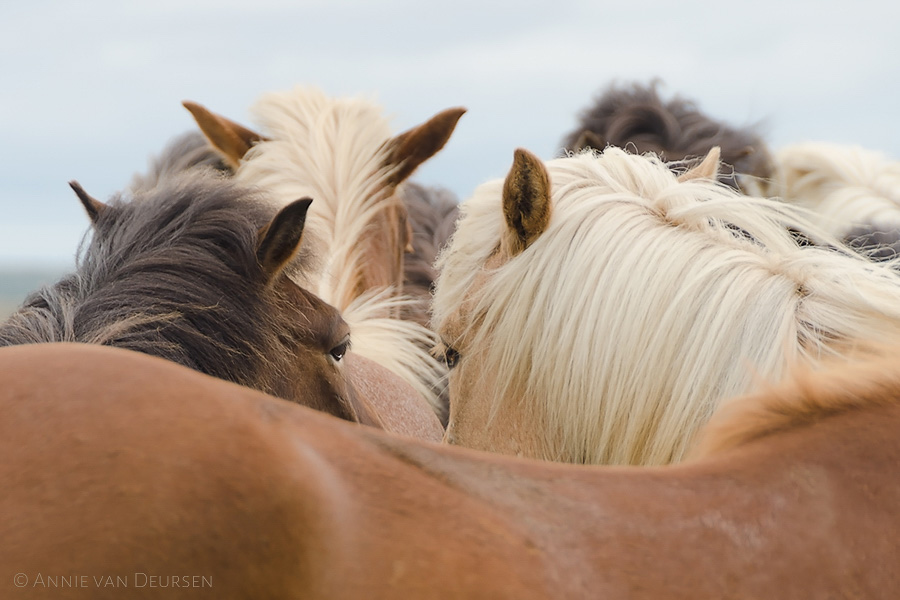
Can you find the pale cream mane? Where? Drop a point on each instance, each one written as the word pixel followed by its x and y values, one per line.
pixel 871 379
pixel 645 303
pixel 846 186
pixel 333 150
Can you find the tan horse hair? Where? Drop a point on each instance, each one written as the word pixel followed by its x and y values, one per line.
pixel 618 332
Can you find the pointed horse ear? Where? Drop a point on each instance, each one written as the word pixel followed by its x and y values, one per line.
pixel 92 206
pixel 411 148
pixel 526 202
pixel 707 169
pixel 230 139
pixel 280 239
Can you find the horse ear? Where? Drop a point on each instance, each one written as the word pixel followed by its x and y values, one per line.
pixel 280 239
pixel 93 206
pixel 230 139
pixel 411 148
pixel 589 139
pixel 526 202
pixel 707 169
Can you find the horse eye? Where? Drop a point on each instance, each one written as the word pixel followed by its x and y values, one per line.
pixel 451 357
pixel 338 352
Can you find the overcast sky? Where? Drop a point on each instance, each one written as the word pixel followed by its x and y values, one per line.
pixel 90 90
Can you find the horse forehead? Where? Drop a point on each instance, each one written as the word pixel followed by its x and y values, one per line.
pixel 321 317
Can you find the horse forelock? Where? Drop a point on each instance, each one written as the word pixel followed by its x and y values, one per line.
pixel 332 150
pixel 172 273
pixel 639 290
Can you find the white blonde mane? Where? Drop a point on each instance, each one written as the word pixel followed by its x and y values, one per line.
pixel 846 186
pixel 333 150
pixel 646 302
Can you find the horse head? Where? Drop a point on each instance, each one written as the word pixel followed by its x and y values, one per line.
pixel 599 308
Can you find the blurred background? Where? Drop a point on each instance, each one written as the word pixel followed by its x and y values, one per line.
pixel 92 90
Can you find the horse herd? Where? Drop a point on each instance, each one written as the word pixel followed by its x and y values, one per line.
pixel 708 329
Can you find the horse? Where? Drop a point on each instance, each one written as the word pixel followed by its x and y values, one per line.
pixel 115 488
pixel 341 152
pixel 853 192
pixel 636 117
pixel 201 271
pixel 599 308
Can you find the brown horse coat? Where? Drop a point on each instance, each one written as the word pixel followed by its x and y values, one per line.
pixel 107 473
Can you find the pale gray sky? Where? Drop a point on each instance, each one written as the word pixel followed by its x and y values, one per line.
pixel 90 90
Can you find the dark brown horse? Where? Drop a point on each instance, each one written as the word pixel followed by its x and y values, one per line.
pixel 636 118
pixel 116 488
pixel 201 271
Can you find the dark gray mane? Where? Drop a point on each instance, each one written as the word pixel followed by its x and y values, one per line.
pixel 432 214
pixel 172 273
pixel 635 117
pixel 880 243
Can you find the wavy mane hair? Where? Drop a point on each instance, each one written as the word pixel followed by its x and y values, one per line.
pixel 646 303
pixel 853 192
pixel 636 117
pixel 341 152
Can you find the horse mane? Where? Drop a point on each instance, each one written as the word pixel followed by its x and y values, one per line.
pixel 185 152
pixel 160 272
pixel 432 218
pixel 635 116
pixel 853 192
pixel 647 301
pixel 334 150
pixel 869 379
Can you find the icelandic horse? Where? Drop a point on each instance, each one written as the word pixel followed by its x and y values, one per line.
pixel 635 117
pixel 111 480
pixel 599 308
pixel 203 272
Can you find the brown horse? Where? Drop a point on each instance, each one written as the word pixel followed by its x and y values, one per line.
pixel 201 271
pixel 114 488
pixel 341 151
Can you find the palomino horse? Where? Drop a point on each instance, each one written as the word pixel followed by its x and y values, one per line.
pixel 115 488
pixel 635 117
pixel 853 192
pixel 195 270
pixel 600 308
pixel 341 152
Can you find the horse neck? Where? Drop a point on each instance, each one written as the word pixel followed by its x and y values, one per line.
pixel 615 532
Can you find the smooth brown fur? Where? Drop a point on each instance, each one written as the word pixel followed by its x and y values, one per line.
pixel 106 472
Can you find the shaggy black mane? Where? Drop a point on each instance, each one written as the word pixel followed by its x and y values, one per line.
pixel 636 118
